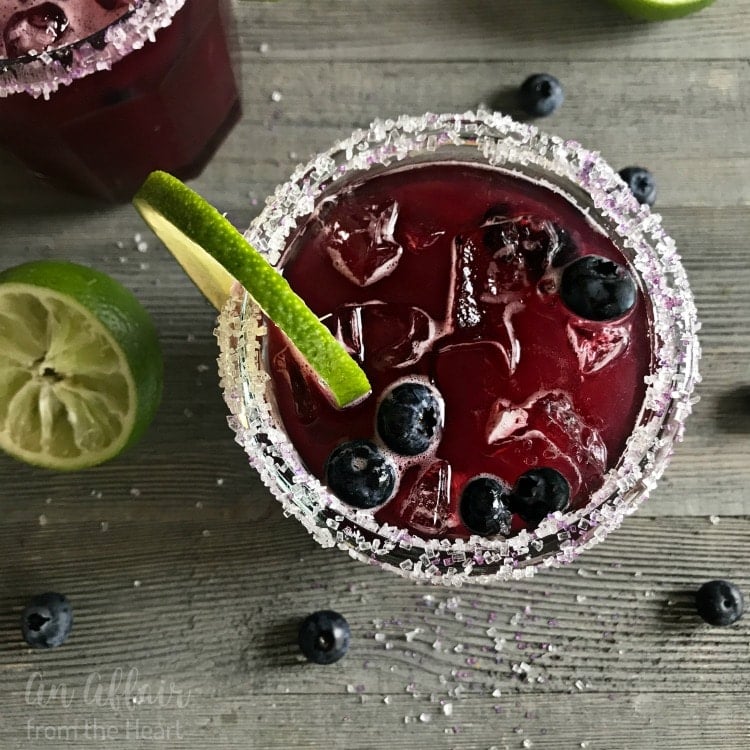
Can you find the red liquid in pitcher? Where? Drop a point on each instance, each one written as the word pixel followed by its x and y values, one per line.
pixel 449 275
pixel 165 106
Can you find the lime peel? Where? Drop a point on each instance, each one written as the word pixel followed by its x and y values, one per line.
pixel 661 10
pixel 213 253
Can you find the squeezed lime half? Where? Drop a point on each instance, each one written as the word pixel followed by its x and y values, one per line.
pixel 80 365
pixel 213 253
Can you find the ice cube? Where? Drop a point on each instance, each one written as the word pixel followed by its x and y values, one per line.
pixel 505 420
pixel 34 30
pixel 548 430
pixel 299 381
pixel 361 244
pixel 530 240
pixel 385 335
pixel 464 310
pixel 597 345
pixel 427 508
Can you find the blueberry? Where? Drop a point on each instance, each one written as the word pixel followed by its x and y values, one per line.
pixel 47 621
pixel 324 636
pixel 540 95
pixel 409 418
pixel 359 473
pixel 538 493
pixel 641 182
pixel 719 602
pixel 483 506
pixel 597 289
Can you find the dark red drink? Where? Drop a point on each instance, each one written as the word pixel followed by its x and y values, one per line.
pixel 165 106
pixel 459 278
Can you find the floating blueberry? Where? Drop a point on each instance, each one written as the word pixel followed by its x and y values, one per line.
pixel 719 602
pixel 409 418
pixel 641 182
pixel 597 289
pixel 324 636
pixel 359 473
pixel 483 506
pixel 47 620
pixel 538 493
pixel 540 95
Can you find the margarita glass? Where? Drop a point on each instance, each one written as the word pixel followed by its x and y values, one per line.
pixel 152 89
pixel 517 155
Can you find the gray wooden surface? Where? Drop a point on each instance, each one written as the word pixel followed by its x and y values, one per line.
pixel 186 580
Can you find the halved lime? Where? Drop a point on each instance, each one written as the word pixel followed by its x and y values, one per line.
pixel 213 253
pixel 80 365
pixel 661 10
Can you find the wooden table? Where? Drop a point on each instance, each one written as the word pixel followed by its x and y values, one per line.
pixel 187 581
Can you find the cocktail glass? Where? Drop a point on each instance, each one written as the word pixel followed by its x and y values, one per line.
pixel 484 138
pixel 152 90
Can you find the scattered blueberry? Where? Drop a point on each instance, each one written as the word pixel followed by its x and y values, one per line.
pixel 324 636
pixel 409 418
pixel 483 507
pixel 47 620
pixel 597 289
pixel 719 602
pixel 641 182
pixel 359 473
pixel 540 95
pixel 538 493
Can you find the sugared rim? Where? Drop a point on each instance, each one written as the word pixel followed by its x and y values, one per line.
pixel 41 75
pixel 523 150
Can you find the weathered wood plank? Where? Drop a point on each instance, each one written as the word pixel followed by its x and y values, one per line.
pixel 484 30
pixel 614 621
pixel 692 138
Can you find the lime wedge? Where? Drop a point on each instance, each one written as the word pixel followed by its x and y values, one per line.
pixel 661 10
pixel 80 365
pixel 213 253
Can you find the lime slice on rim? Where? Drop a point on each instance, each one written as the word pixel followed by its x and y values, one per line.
pixel 213 253
pixel 80 365
pixel 661 10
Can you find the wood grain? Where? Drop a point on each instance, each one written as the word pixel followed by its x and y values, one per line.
pixel 181 567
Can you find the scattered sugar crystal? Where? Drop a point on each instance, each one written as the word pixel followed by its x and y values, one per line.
pixel 380 637
pixel 527 743
pixel 42 520
pixel 584 744
pixel 387 700
pixel 202 368
pixel 580 598
pixel 263 48
pixel 199 504
pixel 276 96
pixel 104 526
pixel 425 718
pixel 220 482
pixel 135 492
pixel 206 532
pixel 448 709
pixel 136 584
pixel 48 501
pixel 142 246
pixel 412 634
pixel 144 266
pixel 714 520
